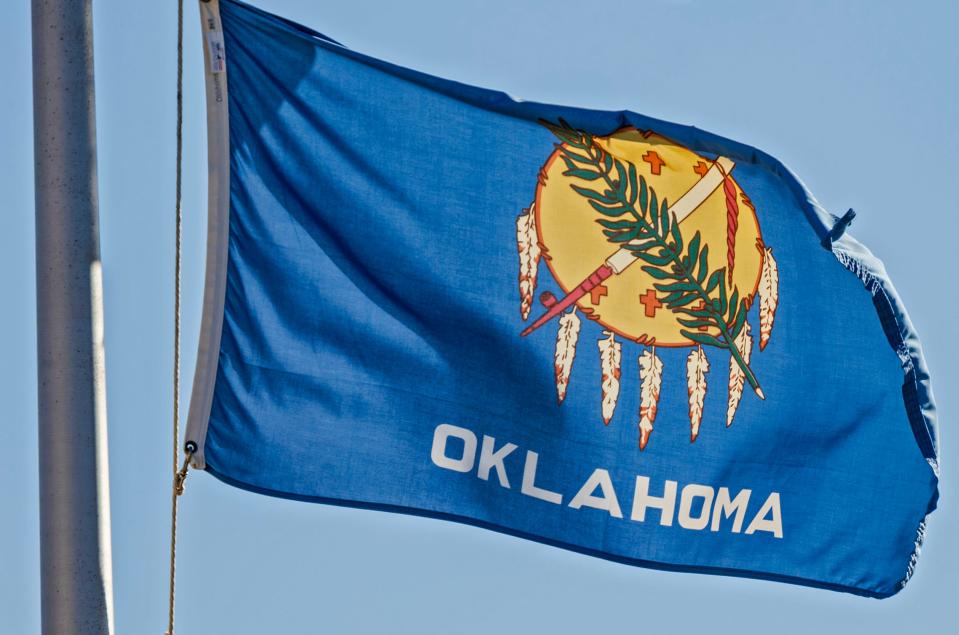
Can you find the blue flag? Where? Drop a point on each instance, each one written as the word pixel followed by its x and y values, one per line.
pixel 597 330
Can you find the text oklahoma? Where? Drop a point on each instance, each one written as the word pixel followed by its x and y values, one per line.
pixel 719 510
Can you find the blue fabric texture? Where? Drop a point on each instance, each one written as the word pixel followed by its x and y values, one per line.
pixel 371 353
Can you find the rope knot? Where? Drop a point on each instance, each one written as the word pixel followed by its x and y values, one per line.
pixel 179 478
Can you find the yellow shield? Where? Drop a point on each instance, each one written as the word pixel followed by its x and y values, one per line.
pixel 574 244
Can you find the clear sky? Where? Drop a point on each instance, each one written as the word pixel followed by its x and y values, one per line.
pixel 858 97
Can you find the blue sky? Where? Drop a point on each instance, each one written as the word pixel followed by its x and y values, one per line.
pixel 858 97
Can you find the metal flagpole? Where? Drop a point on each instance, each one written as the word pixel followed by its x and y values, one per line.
pixel 76 568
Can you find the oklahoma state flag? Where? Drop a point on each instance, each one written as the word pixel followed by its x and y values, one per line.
pixel 613 334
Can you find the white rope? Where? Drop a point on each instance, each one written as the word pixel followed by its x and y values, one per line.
pixel 179 475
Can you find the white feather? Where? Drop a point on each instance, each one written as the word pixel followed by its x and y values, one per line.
pixel 696 368
pixel 744 342
pixel 651 379
pixel 527 244
pixel 610 354
pixel 565 351
pixel 768 296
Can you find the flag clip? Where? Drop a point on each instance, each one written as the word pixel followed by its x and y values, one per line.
pixel 179 479
pixel 838 229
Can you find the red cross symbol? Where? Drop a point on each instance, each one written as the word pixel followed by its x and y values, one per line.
pixel 701 168
pixel 650 302
pixel 596 293
pixel 655 162
pixel 701 307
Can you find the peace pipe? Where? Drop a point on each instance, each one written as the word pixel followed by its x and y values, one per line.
pixel 623 258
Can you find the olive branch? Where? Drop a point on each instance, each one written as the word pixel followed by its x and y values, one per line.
pixel 652 234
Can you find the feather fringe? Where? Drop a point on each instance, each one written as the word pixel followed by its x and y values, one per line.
pixel 744 342
pixel 566 337
pixel 527 244
pixel 651 379
pixel 696 368
pixel 768 296
pixel 610 355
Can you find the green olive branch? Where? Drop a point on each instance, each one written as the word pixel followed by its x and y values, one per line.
pixel 652 234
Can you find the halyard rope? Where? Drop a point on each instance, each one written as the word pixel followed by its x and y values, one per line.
pixel 179 475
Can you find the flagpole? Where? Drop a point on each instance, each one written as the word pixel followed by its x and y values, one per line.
pixel 75 553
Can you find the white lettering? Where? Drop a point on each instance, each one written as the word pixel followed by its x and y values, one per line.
pixel 726 507
pixel 440 436
pixel 608 502
pixel 529 482
pixel 690 493
pixel 490 459
pixel 773 524
pixel 665 503
pixel 700 506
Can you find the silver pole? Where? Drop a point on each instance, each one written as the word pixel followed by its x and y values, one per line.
pixel 75 560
